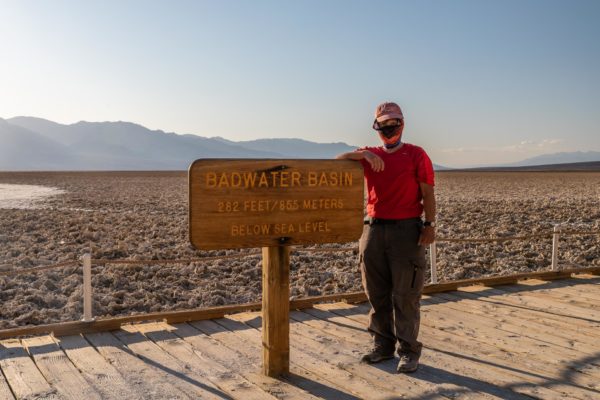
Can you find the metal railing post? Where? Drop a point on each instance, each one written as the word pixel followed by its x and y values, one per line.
pixel 87 288
pixel 433 262
pixel 555 239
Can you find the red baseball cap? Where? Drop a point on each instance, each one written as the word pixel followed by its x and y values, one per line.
pixel 388 110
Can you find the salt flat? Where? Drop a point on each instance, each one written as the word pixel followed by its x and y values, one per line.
pixel 25 196
pixel 143 215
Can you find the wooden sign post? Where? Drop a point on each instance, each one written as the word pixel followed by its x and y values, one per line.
pixel 276 310
pixel 274 204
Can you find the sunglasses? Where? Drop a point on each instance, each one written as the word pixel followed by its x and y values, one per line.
pixel 377 125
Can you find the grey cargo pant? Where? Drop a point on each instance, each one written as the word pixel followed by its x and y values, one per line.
pixel 393 268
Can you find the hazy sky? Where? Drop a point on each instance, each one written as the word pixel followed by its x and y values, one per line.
pixel 479 81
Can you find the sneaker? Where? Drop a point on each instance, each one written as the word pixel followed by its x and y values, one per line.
pixel 376 355
pixel 407 364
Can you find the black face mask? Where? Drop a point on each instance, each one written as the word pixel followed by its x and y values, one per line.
pixel 388 131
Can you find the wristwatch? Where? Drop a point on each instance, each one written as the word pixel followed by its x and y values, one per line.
pixel 429 223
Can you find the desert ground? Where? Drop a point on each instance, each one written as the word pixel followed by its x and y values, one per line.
pixel 143 215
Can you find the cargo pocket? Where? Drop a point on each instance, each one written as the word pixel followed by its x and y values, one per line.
pixel 414 277
pixel 418 276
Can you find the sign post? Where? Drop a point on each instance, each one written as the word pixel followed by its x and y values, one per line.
pixel 276 310
pixel 274 204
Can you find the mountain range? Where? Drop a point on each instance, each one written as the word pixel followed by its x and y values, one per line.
pixel 29 143
pixel 558 158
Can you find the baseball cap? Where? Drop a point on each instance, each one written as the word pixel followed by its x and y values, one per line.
pixel 388 110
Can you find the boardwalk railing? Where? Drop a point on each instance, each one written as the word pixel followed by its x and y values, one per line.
pixel 555 235
pixel 88 261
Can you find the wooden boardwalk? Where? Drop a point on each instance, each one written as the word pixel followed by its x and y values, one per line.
pixel 534 339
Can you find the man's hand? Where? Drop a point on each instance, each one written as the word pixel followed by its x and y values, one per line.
pixel 427 236
pixel 374 160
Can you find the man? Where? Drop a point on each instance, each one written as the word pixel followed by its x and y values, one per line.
pixel 399 178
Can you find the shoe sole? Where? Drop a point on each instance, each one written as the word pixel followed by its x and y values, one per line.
pixel 378 360
pixel 406 370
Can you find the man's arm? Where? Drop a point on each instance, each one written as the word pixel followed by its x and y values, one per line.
pixel 428 232
pixel 374 160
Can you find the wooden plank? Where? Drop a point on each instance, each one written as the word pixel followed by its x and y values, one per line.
pixel 541 353
pixel 560 355
pixel 327 383
pixel 234 360
pixel 496 296
pixel 250 346
pixel 192 383
pixel 520 323
pixel 510 370
pixel 5 392
pixel 149 379
pixel 343 347
pixel 571 297
pixel 114 323
pixel 544 289
pixel 308 302
pixel 229 381
pixel 275 310
pixel 580 287
pixel 171 317
pixel 585 279
pixel 254 321
pixel 473 355
pixel 564 378
pixel 333 376
pixel 514 340
pixel 478 376
pixel 587 293
pixel 509 279
pixel 469 351
pixel 96 370
pixel 551 305
pixel 537 285
pixel 592 278
pixel 255 203
pixel 551 322
pixel 58 369
pixel 22 375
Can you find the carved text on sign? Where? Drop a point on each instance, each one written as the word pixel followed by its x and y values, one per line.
pixel 254 203
pixel 279 229
pixel 276 179
pixel 284 205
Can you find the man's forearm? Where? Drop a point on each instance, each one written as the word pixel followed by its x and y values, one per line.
pixel 429 204
pixel 429 208
pixel 352 155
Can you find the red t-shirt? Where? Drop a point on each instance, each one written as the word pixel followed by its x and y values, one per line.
pixel 394 193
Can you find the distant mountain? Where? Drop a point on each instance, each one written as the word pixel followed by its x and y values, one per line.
pixel 28 143
pixel 298 148
pixel 564 167
pixel 558 158
pixel 124 145
pixel 22 149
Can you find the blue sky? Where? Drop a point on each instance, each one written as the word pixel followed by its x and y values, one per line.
pixel 479 81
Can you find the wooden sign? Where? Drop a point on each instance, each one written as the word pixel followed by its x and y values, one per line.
pixel 260 203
